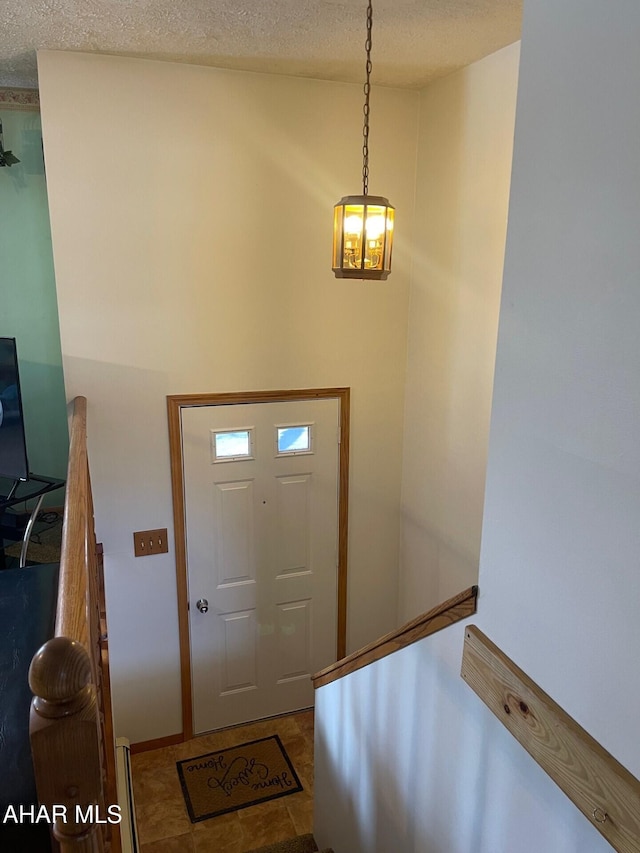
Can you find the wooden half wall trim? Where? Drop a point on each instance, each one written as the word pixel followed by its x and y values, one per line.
pixel 604 791
pixel 453 610
pixel 156 743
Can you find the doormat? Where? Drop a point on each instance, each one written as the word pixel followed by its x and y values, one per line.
pixel 234 778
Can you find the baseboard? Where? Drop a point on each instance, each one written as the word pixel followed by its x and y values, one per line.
pixel 157 743
pixel 128 828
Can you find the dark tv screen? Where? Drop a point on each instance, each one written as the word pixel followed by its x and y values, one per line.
pixel 13 448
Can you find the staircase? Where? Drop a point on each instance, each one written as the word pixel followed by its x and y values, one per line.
pixel 300 844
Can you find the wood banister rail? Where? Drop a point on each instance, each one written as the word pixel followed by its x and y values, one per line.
pixel 70 725
pixel 606 793
pixel 71 615
pixel 453 610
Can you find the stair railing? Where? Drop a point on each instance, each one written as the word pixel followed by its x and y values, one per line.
pixel 606 793
pixel 71 724
pixel 453 610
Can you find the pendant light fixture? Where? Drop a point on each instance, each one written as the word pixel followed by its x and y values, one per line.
pixel 363 224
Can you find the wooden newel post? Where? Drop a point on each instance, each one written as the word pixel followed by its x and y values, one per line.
pixel 64 731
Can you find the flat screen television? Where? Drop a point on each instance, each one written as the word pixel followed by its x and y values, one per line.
pixel 13 445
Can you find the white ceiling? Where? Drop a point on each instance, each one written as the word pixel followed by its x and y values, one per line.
pixel 414 41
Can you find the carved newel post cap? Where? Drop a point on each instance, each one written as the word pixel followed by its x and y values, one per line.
pixel 60 671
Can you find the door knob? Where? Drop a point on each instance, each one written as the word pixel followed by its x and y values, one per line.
pixel 203 605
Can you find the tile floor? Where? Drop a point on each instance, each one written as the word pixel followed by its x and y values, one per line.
pixel 163 822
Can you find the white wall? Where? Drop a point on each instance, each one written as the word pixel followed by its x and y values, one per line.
pixel 464 170
pixel 559 578
pixel 166 184
pixel 561 539
pixel 408 758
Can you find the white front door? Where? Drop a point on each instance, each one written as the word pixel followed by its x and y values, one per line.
pixel 261 516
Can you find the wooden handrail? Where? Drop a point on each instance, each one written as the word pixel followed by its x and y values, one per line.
pixel 604 791
pixel 458 607
pixel 71 615
pixel 70 725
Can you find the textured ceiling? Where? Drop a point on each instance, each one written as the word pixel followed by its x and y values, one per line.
pixel 414 41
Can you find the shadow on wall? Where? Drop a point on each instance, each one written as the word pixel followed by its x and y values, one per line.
pixel 455 297
pixel 376 760
pixel 400 738
pixel 438 563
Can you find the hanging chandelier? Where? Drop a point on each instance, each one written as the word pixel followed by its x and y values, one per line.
pixel 363 224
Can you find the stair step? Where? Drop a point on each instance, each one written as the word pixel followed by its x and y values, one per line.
pixel 299 844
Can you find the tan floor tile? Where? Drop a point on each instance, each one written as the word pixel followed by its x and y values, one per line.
pixel 219 835
pixel 266 823
pixel 177 844
pixel 304 769
pixel 298 748
pixel 160 808
pixel 203 843
pixel 286 726
pixel 153 786
pixel 221 825
pixel 157 821
pixel 300 808
pixel 154 759
pixel 305 721
pixel 246 734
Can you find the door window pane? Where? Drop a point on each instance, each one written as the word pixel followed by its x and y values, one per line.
pixel 293 439
pixel 232 445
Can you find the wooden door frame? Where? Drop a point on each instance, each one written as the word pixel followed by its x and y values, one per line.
pixel 175 404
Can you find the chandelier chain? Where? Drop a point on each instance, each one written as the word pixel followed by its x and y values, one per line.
pixel 367 90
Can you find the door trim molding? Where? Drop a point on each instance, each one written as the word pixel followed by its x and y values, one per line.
pixel 177 402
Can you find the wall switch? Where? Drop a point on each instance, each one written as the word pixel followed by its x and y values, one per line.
pixel 147 542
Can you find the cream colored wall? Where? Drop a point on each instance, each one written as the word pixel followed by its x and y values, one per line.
pixel 166 185
pixel 464 169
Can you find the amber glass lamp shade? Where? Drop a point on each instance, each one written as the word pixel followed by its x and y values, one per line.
pixel 362 237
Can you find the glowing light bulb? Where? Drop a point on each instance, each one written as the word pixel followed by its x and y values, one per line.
pixel 353 224
pixel 375 226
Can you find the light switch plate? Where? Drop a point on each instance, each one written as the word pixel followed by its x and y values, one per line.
pixel 146 542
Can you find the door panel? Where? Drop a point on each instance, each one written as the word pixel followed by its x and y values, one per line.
pixel 292 509
pixel 238 652
pixel 294 640
pixel 261 536
pixel 234 539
